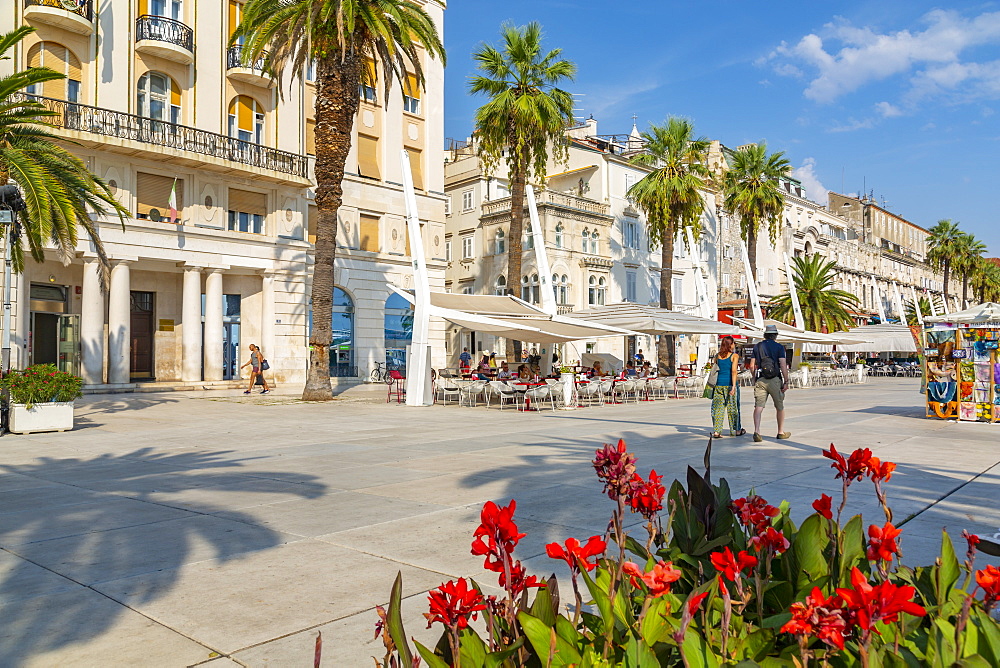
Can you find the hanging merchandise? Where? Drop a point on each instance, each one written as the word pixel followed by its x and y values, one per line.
pixel 963 371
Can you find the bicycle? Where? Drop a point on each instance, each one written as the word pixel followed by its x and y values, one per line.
pixel 380 374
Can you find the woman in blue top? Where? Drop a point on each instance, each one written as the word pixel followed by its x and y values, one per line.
pixel 726 395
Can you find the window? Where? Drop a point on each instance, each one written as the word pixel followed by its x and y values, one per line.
pixel 501 243
pixel 368 157
pixel 246 120
pixel 559 235
pixel 467 249
pixel 630 233
pixel 725 280
pixel 770 276
pixel 586 240
pixel 678 291
pixel 564 290
pixel 311 70
pixel 447 251
pixel 56 57
pixel 467 200
pixel 447 205
pixel 630 180
pixel 310 136
pixel 529 288
pixel 529 240
pixel 630 286
pixel 411 94
pixel 602 288
pixel 369 79
pixel 500 287
pixel 398 322
pixel 246 211
pixel 727 252
pixel 416 167
pixel 156 195
pixel 594 243
pixel 342 343
pixel 159 98
pixel 170 9
pixel 596 288
pixel 368 232
pixel 468 290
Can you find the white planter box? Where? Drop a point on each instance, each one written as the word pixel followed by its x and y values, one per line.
pixel 50 416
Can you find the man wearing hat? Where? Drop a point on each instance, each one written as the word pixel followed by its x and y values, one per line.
pixel 770 368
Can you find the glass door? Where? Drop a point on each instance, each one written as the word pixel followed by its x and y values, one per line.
pixel 69 344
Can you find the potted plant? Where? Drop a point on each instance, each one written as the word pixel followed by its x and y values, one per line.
pixel 40 398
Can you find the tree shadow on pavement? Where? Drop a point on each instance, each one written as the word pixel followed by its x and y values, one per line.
pixel 69 524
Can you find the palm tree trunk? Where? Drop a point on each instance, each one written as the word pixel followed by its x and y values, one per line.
pixel 665 348
pixel 965 287
pixel 336 107
pixel 514 234
pixel 947 272
pixel 751 241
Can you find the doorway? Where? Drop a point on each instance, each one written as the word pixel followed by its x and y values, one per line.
pixel 141 365
pixel 231 336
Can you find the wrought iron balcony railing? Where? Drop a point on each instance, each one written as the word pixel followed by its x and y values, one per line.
pixel 94 120
pixel 162 29
pixel 82 8
pixel 233 59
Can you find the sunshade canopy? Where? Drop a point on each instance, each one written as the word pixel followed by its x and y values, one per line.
pixel 653 320
pixel 511 317
pixel 880 338
pixel 790 334
pixel 987 312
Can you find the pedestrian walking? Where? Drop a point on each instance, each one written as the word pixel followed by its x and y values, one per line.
pixel 465 360
pixel 770 368
pixel 258 365
pixel 725 390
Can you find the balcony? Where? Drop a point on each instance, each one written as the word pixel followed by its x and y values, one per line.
pixel 554 199
pixel 171 143
pixel 73 15
pixel 251 73
pixel 166 38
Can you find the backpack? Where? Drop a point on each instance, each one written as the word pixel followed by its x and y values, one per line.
pixel 768 366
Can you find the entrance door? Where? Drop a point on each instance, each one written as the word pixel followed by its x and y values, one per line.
pixel 44 338
pixel 142 335
pixel 230 350
pixel 69 343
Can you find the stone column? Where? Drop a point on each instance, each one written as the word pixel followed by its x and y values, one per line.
pixel 19 343
pixel 120 324
pixel 267 315
pixel 92 324
pixel 191 324
pixel 213 325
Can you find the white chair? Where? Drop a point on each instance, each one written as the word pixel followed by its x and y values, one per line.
pixel 504 392
pixel 446 387
pixel 556 390
pixel 590 391
pixel 470 390
pixel 624 388
pixel 539 394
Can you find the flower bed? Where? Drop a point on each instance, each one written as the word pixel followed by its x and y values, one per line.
pixel 716 582
pixel 42 383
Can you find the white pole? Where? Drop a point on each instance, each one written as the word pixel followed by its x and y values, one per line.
pixel 7 263
pixel 700 296
pixel 548 297
pixel 898 300
pixel 916 306
pixel 930 298
pixel 800 321
pixel 418 381
pixel 758 314
pixel 878 300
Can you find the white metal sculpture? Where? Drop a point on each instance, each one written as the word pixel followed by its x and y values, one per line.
pixel 916 306
pixel 548 296
pixel 418 364
pixel 800 322
pixel 758 314
pixel 878 300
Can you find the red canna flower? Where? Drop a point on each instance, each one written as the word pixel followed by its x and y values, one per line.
pixel 770 539
pixel 658 580
pixel 883 602
pixel 822 505
pixel 453 603
pixel 519 580
pixel 574 554
pixel 695 602
pixel 615 468
pixel 972 539
pixel 880 471
pixel 850 469
pixel 988 580
pixel 497 535
pixel 646 496
pixel 731 566
pixel 754 512
pixel 821 617
pixel 882 544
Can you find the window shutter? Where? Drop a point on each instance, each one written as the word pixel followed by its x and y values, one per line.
pixel 310 136
pixel 73 69
pixel 35 55
pixel 369 77
pixel 247 202
pixel 418 175
pixel 54 58
pixel 244 113
pixel 143 7
pixel 368 156
pixel 369 233
pixel 153 192
pixel 411 87
pixel 233 17
pixel 312 223
pixel 175 93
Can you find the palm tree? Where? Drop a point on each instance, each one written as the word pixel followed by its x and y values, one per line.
pixel 968 249
pixel 822 304
pixel 942 245
pixel 752 190
pixel 59 191
pixel 924 304
pixel 671 198
pixel 523 122
pixel 340 36
pixel 985 280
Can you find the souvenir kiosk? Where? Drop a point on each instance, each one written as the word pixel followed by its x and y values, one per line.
pixel 963 364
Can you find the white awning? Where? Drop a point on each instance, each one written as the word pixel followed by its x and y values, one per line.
pixel 880 339
pixel 790 334
pixel 653 320
pixel 985 313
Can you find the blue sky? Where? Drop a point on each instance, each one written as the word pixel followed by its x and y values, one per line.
pixel 898 97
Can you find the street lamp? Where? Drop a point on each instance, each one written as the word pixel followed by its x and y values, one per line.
pixel 11 203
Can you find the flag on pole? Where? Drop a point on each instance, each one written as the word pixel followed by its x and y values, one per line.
pixel 172 203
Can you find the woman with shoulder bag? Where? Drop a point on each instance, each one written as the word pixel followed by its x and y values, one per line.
pixel 725 391
pixel 258 365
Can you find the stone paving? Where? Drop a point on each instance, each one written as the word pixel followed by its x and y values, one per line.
pixel 214 529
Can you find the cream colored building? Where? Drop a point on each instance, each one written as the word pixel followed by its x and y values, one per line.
pixel 162 110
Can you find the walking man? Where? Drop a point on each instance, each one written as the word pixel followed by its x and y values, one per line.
pixel 770 368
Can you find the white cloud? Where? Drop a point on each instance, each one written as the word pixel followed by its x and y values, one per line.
pixel 888 110
pixel 806 173
pixel 845 57
pixel 852 125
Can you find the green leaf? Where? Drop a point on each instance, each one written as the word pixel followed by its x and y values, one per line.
pixel 546 603
pixel 496 659
pixel 639 655
pixel 599 594
pixel 777 621
pixel 854 548
pixel 432 659
pixel 472 648
pixel 656 625
pixel 696 653
pixel 947 571
pixel 989 636
pixel 546 642
pixel 636 548
pixel 809 550
pixel 394 621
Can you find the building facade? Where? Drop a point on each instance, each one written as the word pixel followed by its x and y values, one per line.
pixel 214 168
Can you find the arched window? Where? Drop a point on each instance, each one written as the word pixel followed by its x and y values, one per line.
pixel 555 288
pixel 529 288
pixel 529 240
pixel 398 331
pixel 533 283
pixel 564 290
pixel 500 287
pixel 559 235
pixel 342 343
pixel 56 57
pixel 594 243
pixel 602 288
pixel 501 243
pixel 246 119
pixel 586 240
pixel 525 289
pixel 592 291
pixel 159 98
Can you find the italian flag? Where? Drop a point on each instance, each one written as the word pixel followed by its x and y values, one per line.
pixel 172 203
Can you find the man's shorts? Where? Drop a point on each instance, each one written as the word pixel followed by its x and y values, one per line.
pixel 765 387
